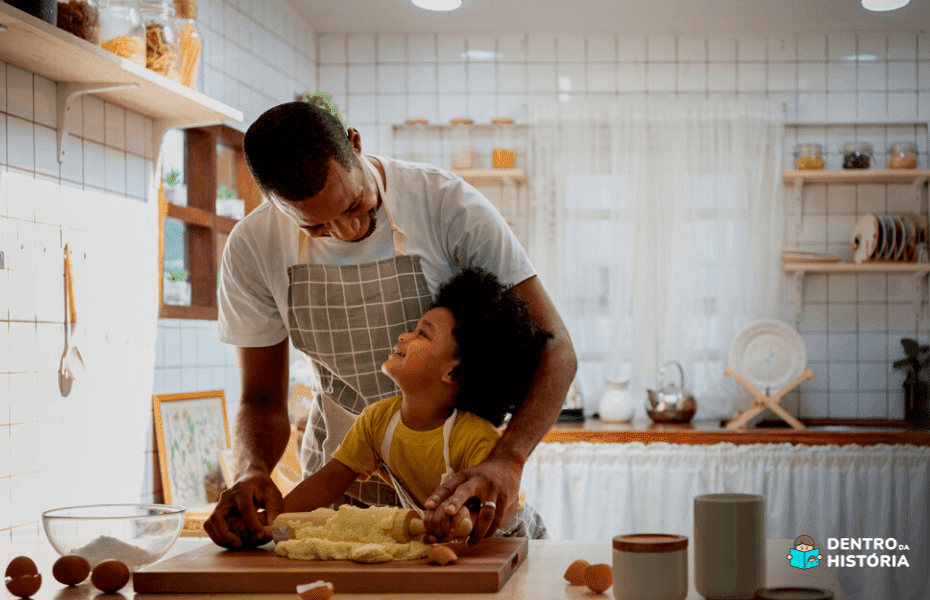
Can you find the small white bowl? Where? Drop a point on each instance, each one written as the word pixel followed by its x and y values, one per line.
pixel 136 534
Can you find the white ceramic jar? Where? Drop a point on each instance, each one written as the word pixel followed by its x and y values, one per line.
pixel 650 566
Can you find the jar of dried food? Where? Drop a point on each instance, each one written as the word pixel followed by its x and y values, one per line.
pixel 42 9
pixel 857 155
pixel 162 47
pixel 190 41
pixel 121 30
pixel 808 156
pixel 902 155
pixel 463 155
pixel 503 153
pixel 413 140
pixel 80 18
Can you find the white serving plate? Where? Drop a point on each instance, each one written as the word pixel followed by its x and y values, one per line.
pixel 769 354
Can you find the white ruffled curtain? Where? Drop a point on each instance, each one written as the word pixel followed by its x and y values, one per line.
pixel 658 230
pixel 587 491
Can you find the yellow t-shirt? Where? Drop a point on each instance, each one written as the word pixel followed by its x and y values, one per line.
pixel 416 456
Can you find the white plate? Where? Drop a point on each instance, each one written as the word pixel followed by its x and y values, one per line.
pixel 769 354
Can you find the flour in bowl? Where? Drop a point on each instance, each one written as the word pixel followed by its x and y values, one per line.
pixel 106 547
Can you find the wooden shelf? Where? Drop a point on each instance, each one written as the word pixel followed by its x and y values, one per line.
pixel 857 176
pixel 474 176
pixel 42 48
pixel 866 267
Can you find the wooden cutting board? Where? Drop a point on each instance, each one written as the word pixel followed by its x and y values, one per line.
pixel 209 568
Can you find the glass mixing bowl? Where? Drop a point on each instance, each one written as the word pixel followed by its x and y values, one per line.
pixel 136 534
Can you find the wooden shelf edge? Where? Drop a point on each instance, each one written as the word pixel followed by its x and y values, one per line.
pixel 491 175
pixel 41 48
pixel 198 313
pixel 866 267
pixel 856 176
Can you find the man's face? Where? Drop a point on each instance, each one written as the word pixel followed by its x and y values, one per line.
pixel 344 209
pixel 421 357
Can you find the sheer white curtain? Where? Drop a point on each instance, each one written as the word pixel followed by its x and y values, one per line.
pixel 658 230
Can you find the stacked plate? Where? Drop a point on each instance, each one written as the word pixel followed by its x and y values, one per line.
pixel 888 237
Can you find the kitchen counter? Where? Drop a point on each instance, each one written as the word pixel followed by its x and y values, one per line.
pixel 539 578
pixel 818 433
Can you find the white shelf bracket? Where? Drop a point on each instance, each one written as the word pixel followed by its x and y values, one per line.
pixel 797 296
pixel 67 92
pixel 919 294
pixel 799 202
pixel 161 126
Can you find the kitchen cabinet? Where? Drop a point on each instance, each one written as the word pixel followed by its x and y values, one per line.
pixel 797 271
pixel 79 67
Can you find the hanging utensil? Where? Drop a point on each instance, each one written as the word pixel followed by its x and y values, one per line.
pixel 72 364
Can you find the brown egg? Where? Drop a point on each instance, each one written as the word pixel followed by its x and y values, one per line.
pixel 598 577
pixel 19 566
pixel 110 575
pixel 24 585
pixel 320 590
pixel 71 569
pixel 574 574
pixel 441 555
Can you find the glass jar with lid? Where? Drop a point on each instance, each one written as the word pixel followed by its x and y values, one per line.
pixel 808 156
pixel 463 155
pixel 412 138
pixel 80 18
pixel 121 30
pixel 162 47
pixel 857 155
pixel 190 41
pixel 902 155
pixel 502 155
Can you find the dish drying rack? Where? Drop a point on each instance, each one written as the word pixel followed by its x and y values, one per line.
pixel 762 401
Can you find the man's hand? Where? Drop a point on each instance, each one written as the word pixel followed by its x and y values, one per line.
pixel 236 522
pixel 495 480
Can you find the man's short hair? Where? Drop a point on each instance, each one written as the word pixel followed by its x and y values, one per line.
pixel 288 150
pixel 499 344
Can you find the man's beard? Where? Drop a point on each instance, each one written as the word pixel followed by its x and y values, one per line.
pixel 373 222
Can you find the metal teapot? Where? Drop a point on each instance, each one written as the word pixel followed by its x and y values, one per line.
pixel 671 404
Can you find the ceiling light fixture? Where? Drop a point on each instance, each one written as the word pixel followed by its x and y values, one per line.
pixel 438 5
pixel 883 5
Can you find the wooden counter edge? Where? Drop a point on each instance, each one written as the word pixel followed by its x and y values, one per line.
pixel 809 438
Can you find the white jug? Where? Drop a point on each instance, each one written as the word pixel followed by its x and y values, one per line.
pixel 616 403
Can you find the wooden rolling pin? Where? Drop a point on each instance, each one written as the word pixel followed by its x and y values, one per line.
pixel 406 526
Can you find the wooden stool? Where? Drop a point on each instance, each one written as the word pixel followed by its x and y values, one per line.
pixel 762 401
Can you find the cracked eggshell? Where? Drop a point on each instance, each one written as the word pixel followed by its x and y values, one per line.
pixel 319 590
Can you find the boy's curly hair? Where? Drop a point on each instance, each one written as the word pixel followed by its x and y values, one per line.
pixel 499 343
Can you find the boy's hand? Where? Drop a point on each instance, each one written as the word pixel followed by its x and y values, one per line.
pixel 439 526
pixel 495 480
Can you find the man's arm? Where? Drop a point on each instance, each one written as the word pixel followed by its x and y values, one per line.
pixel 261 432
pixel 497 479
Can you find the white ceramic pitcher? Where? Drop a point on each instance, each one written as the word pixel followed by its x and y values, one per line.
pixel 617 402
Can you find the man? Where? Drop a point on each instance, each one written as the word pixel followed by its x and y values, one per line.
pixel 342 259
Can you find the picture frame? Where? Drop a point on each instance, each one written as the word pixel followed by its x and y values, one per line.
pixel 191 431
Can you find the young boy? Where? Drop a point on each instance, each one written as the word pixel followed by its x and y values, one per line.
pixel 464 368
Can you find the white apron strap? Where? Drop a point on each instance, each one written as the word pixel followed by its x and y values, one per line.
pixel 388 436
pixel 446 434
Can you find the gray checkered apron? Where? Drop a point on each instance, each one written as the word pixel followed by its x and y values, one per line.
pixel 345 318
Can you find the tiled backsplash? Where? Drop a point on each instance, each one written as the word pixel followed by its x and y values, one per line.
pixel 57 450
pixel 97 443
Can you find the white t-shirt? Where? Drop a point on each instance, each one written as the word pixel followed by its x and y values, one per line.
pixel 447 223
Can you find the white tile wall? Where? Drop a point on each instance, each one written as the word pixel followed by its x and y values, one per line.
pixel 256 55
pixel 852 326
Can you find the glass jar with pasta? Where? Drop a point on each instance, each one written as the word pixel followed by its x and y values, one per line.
pixel 162 47
pixel 902 155
pixel 808 156
pixel 463 156
pixel 190 41
pixel 80 18
pixel 121 30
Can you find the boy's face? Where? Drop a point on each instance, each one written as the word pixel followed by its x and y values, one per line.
pixel 423 356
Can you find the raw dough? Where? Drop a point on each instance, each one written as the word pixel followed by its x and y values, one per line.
pixel 351 533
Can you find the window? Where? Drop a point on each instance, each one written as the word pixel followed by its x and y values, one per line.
pixel 206 190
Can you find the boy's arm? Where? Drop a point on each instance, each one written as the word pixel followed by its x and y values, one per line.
pixel 320 489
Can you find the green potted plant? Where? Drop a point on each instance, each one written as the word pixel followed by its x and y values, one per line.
pixel 228 204
pixel 175 191
pixel 176 289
